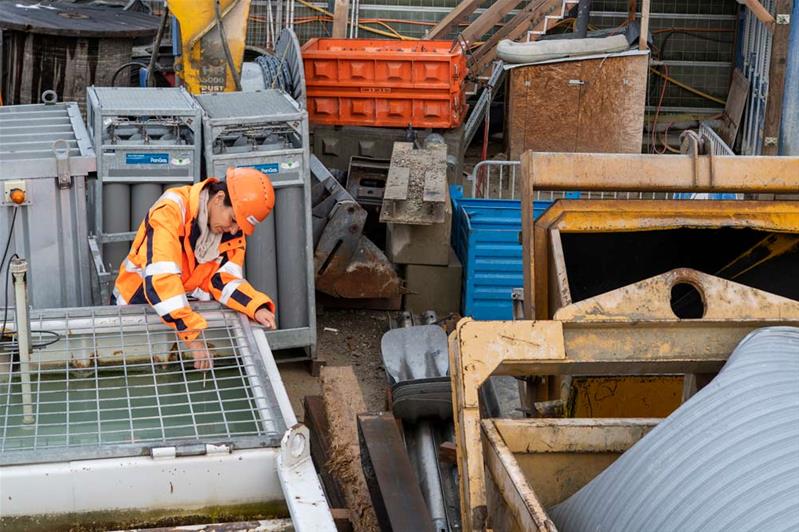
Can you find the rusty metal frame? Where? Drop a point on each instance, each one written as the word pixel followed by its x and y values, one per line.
pixel 651 173
pixel 591 216
pixel 502 438
pixel 632 334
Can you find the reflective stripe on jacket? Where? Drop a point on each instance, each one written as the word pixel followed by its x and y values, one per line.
pixel 161 269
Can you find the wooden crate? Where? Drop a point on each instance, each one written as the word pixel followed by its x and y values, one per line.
pixel 580 105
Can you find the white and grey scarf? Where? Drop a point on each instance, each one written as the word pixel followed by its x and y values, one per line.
pixel 207 247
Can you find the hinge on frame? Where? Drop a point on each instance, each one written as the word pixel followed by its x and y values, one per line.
pixel 61 152
pixel 189 449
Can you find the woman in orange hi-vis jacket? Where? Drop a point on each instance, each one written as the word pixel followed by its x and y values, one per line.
pixel 192 243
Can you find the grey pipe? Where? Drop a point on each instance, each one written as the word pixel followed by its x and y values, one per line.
pixel 583 14
pixel 261 259
pixel 142 198
pixel 292 287
pixel 727 459
pixel 429 479
pixel 116 219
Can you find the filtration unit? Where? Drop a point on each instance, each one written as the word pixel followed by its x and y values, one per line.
pixel 268 131
pixel 45 155
pixel 107 424
pixel 147 139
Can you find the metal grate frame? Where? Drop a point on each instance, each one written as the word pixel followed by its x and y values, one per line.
pixel 119 383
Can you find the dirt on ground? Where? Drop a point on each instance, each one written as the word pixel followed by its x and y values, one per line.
pixel 345 338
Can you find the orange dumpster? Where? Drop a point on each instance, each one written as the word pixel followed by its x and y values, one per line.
pixel 364 82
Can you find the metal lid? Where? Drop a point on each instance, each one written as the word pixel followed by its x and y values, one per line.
pixel 266 103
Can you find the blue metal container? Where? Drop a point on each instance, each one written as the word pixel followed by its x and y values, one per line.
pixel 485 236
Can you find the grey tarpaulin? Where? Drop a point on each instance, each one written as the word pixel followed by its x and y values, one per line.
pixel 728 459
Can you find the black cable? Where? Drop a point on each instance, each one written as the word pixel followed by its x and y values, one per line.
pixel 5 296
pixel 2 262
pixel 228 56
pixel 5 290
pixel 157 47
pixel 123 67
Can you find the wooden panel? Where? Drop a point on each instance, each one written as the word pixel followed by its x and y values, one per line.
pixel 612 104
pixel 594 105
pixel 779 57
pixel 734 109
pixel 542 112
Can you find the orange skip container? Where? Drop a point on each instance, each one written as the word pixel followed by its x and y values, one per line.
pixel 366 82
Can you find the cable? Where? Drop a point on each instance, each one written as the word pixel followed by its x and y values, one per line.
pixel 688 87
pixel 123 67
pixel 2 262
pixel 157 46
pixel 228 56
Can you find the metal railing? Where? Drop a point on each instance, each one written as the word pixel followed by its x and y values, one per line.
pixel 498 180
pixel 756 62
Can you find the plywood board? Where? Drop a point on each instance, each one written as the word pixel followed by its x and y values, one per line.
pixel 590 105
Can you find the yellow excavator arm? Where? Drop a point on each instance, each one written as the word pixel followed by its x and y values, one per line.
pixel 210 60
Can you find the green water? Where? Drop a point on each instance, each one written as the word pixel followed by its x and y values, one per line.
pixel 108 407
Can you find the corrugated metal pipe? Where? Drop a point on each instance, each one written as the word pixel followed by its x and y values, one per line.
pixel 727 459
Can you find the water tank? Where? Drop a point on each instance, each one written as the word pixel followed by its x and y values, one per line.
pixel 65 48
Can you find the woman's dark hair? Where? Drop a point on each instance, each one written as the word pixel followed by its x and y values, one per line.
pixel 218 186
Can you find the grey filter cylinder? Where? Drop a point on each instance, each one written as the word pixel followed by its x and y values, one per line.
pixel 142 198
pixel 116 219
pixel 292 287
pixel 261 259
pixel 727 459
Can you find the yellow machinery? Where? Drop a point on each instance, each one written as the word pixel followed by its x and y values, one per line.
pixel 629 348
pixel 211 53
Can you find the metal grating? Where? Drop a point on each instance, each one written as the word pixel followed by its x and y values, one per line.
pixel 271 103
pixel 135 99
pixel 118 382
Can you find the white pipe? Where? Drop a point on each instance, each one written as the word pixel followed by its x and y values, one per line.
pixel 19 268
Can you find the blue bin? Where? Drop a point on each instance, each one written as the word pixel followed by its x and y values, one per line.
pixel 485 236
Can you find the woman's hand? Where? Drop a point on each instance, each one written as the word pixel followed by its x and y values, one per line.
pixel 265 318
pixel 202 358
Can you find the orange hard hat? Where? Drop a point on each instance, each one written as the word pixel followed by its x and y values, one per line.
pixel 252 196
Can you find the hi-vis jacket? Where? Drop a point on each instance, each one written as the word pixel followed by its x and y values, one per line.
pixel 161 269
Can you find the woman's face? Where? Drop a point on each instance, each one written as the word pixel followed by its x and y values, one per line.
pixel 221 218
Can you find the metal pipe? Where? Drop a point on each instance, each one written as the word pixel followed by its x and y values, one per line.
pixel 292 285
pixel 583 14
pixel 429 474
pixel 261 259
pixel 19 268
pixel 142 197
pixel 789 128
pixel 116 219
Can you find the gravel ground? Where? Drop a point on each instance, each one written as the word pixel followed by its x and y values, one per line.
pixel 345 338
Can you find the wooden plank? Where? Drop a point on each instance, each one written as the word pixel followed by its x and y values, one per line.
pixel 393 484
pixel 643 43
pixel 343 400
pixel 488 19
pixel 532 10
pixel 527 237
pixel 517 27
pixel 340 12
pixel 734 108
pixel 776 80
pixel 316 421
pixel 760 12
pixel 452 19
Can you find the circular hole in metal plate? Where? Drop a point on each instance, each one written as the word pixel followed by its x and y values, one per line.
pixel 687 301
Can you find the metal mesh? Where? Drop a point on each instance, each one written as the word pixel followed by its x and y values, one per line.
pixel 122 379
